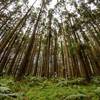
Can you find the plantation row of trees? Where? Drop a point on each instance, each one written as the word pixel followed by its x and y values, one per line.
pixel 50 42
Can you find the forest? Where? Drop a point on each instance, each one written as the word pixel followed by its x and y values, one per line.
pixel 49 50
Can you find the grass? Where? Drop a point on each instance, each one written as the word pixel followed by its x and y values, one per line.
pixel 33 88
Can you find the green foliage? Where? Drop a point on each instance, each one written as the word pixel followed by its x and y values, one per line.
pixel 77 81
pixel 97 91
pixel 37 88
pixel 4 90
pixel 96 80
pixel 77 97
pixel 7 89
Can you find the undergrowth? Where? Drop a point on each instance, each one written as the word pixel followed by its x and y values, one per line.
pixel 37 88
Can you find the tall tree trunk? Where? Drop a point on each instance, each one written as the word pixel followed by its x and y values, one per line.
pixel 25 60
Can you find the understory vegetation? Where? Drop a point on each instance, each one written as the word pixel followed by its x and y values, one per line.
pixel 37 88
pixel 49 49
pixel 62 41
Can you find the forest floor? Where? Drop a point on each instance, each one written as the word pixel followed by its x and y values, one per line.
pixel 33 88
